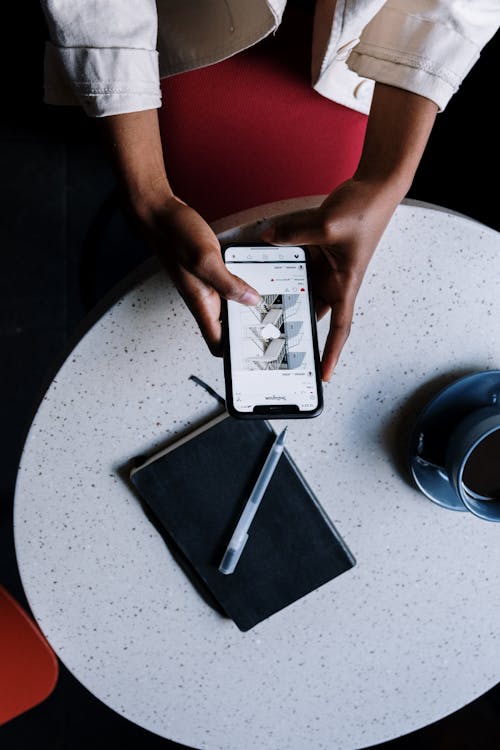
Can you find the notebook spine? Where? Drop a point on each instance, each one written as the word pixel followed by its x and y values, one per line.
pixel 320 508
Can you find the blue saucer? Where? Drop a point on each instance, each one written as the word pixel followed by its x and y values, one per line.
pixel 435 424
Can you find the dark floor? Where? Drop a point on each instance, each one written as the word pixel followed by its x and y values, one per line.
pixel 66 244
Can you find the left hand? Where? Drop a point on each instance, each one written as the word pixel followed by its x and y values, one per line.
pixel 342 234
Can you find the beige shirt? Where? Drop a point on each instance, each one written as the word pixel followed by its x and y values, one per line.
pixel 108 56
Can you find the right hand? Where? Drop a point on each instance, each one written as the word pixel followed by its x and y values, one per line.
pixel 190 252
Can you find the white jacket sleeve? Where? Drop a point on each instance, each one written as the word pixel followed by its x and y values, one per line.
pixel 425 46
pixel 102 55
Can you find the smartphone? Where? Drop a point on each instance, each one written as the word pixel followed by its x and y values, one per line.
pixel 271 357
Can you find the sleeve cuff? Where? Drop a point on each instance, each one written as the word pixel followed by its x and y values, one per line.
pixel 422 56
pixel 103 81
pixel 403 77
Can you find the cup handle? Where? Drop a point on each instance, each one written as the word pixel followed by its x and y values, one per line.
pixel 430 465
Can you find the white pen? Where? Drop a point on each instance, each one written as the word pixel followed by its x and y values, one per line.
pixel 240 534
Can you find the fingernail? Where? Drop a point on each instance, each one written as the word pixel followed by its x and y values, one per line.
pixel 250 298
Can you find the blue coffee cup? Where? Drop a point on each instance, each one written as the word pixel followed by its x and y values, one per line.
pixel 454 449
pixel 473 462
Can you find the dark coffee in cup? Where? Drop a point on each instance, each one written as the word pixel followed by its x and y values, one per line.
pixel 481 474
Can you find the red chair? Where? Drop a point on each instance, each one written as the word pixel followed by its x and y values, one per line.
pixel 251 130
pixel 28 667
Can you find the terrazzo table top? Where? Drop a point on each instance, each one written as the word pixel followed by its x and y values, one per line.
pixel 406 637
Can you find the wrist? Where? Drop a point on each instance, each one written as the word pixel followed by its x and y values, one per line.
pixel 390 186
pixel 136 149
pixel 148 202
pixel 399 126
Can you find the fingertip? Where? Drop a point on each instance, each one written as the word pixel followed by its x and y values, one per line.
pixel 276 236
pixel 321 310
pixel 211 331
pixel 269 235
pixel 282 239
pixel 215 348
pixel 328 370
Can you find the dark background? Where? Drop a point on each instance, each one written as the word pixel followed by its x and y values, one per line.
pixel 65 243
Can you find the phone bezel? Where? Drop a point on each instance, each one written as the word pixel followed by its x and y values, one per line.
pixel 271 411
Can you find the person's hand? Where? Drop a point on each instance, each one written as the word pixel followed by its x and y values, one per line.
pixel 191 254
pixel 342 235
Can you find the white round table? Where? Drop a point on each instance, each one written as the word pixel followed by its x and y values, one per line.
pixel 401 640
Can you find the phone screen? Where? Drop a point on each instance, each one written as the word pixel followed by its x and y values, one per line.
pixel 272 348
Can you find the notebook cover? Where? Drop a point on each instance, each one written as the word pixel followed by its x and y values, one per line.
pixel 197 488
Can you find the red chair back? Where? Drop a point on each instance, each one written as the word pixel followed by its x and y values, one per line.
pixel 251 130
pixel 28 667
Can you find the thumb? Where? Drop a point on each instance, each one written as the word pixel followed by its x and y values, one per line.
pixel 229 286
pixel 300 227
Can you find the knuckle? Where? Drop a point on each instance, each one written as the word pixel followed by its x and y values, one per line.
pixel 201 296
pixel 343 323
pixel 344 328
pixel 327 228
pixel 354 277
pixel 199 263
pixel 232 289
pixel 323 218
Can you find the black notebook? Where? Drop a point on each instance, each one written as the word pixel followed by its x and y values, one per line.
pixel 196 490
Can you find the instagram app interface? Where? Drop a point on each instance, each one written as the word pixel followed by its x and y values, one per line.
pixel 271 344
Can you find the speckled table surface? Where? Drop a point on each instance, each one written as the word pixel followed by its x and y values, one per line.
pixel 401 640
